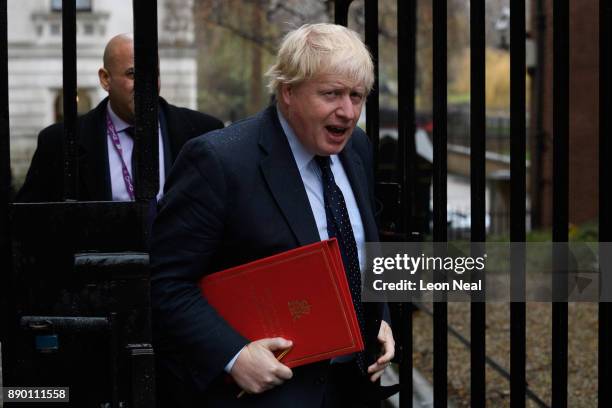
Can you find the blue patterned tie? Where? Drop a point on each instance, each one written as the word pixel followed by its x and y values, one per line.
pixel 339 226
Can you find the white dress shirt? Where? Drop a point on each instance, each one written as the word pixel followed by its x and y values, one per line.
pixel 311 177
pixel 119 191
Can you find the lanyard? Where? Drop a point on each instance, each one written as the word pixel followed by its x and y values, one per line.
pixel 112 133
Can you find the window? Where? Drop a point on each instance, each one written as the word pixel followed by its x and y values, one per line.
pixel 84 103
pixel 88 29
pixel 81 5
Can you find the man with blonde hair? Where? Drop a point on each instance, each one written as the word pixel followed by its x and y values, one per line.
pixel 298 172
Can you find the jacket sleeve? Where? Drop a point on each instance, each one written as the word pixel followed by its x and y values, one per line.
pixel 186 234
pixel 45 181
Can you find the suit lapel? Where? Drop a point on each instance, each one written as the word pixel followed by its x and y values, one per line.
pixel 179 128
pixel 284 180
pixel 93 160
pixel 355 171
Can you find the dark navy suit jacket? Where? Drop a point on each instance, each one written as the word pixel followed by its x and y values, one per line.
pixel 233 196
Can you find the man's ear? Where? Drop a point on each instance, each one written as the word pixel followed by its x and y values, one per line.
pixel 286 92
pixel 104 78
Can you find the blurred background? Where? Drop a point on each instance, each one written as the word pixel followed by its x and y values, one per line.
pixel 213 56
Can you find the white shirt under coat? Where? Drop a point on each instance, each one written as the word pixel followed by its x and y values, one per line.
pixel 118 189
pixel 311 177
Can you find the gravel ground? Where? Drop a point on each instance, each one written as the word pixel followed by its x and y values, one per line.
pixel 583 336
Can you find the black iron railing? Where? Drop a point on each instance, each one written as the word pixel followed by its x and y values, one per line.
pixel 50 241
pixel 146 62
pixel 518 211
pixel 605 199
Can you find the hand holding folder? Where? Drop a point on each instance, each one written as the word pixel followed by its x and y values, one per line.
pixel 301 295
pixel 279 358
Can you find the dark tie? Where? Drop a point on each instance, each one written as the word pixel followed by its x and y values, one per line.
pixel 339 226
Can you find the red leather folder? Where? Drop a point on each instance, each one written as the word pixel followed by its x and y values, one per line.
pixel 301 295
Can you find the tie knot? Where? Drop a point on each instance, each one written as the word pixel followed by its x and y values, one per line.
pixel 324 162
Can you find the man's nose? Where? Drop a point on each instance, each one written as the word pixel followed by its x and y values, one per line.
pixel 345 109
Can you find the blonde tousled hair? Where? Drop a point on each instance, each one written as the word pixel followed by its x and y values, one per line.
pixel 315 49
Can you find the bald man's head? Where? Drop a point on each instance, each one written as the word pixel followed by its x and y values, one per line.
pixel 115 43
pixel 117 75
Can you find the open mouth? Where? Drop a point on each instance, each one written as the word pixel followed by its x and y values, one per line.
pixel 336 131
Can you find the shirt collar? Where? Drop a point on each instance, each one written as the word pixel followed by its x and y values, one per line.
pixel 120 124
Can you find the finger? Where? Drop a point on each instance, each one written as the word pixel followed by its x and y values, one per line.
pixel 276 343
pixel 388 347
pixel 374 377
pixel 389 353
pixel 376 367
pixel 274 382
pixel 284 372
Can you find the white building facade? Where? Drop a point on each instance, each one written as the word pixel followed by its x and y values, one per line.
pixel 35 61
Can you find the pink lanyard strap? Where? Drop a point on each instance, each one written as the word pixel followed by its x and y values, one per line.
pixel 127 179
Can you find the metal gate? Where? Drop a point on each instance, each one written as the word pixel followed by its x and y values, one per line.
pixel 75 280
pixel 406 51
pixel 69 293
